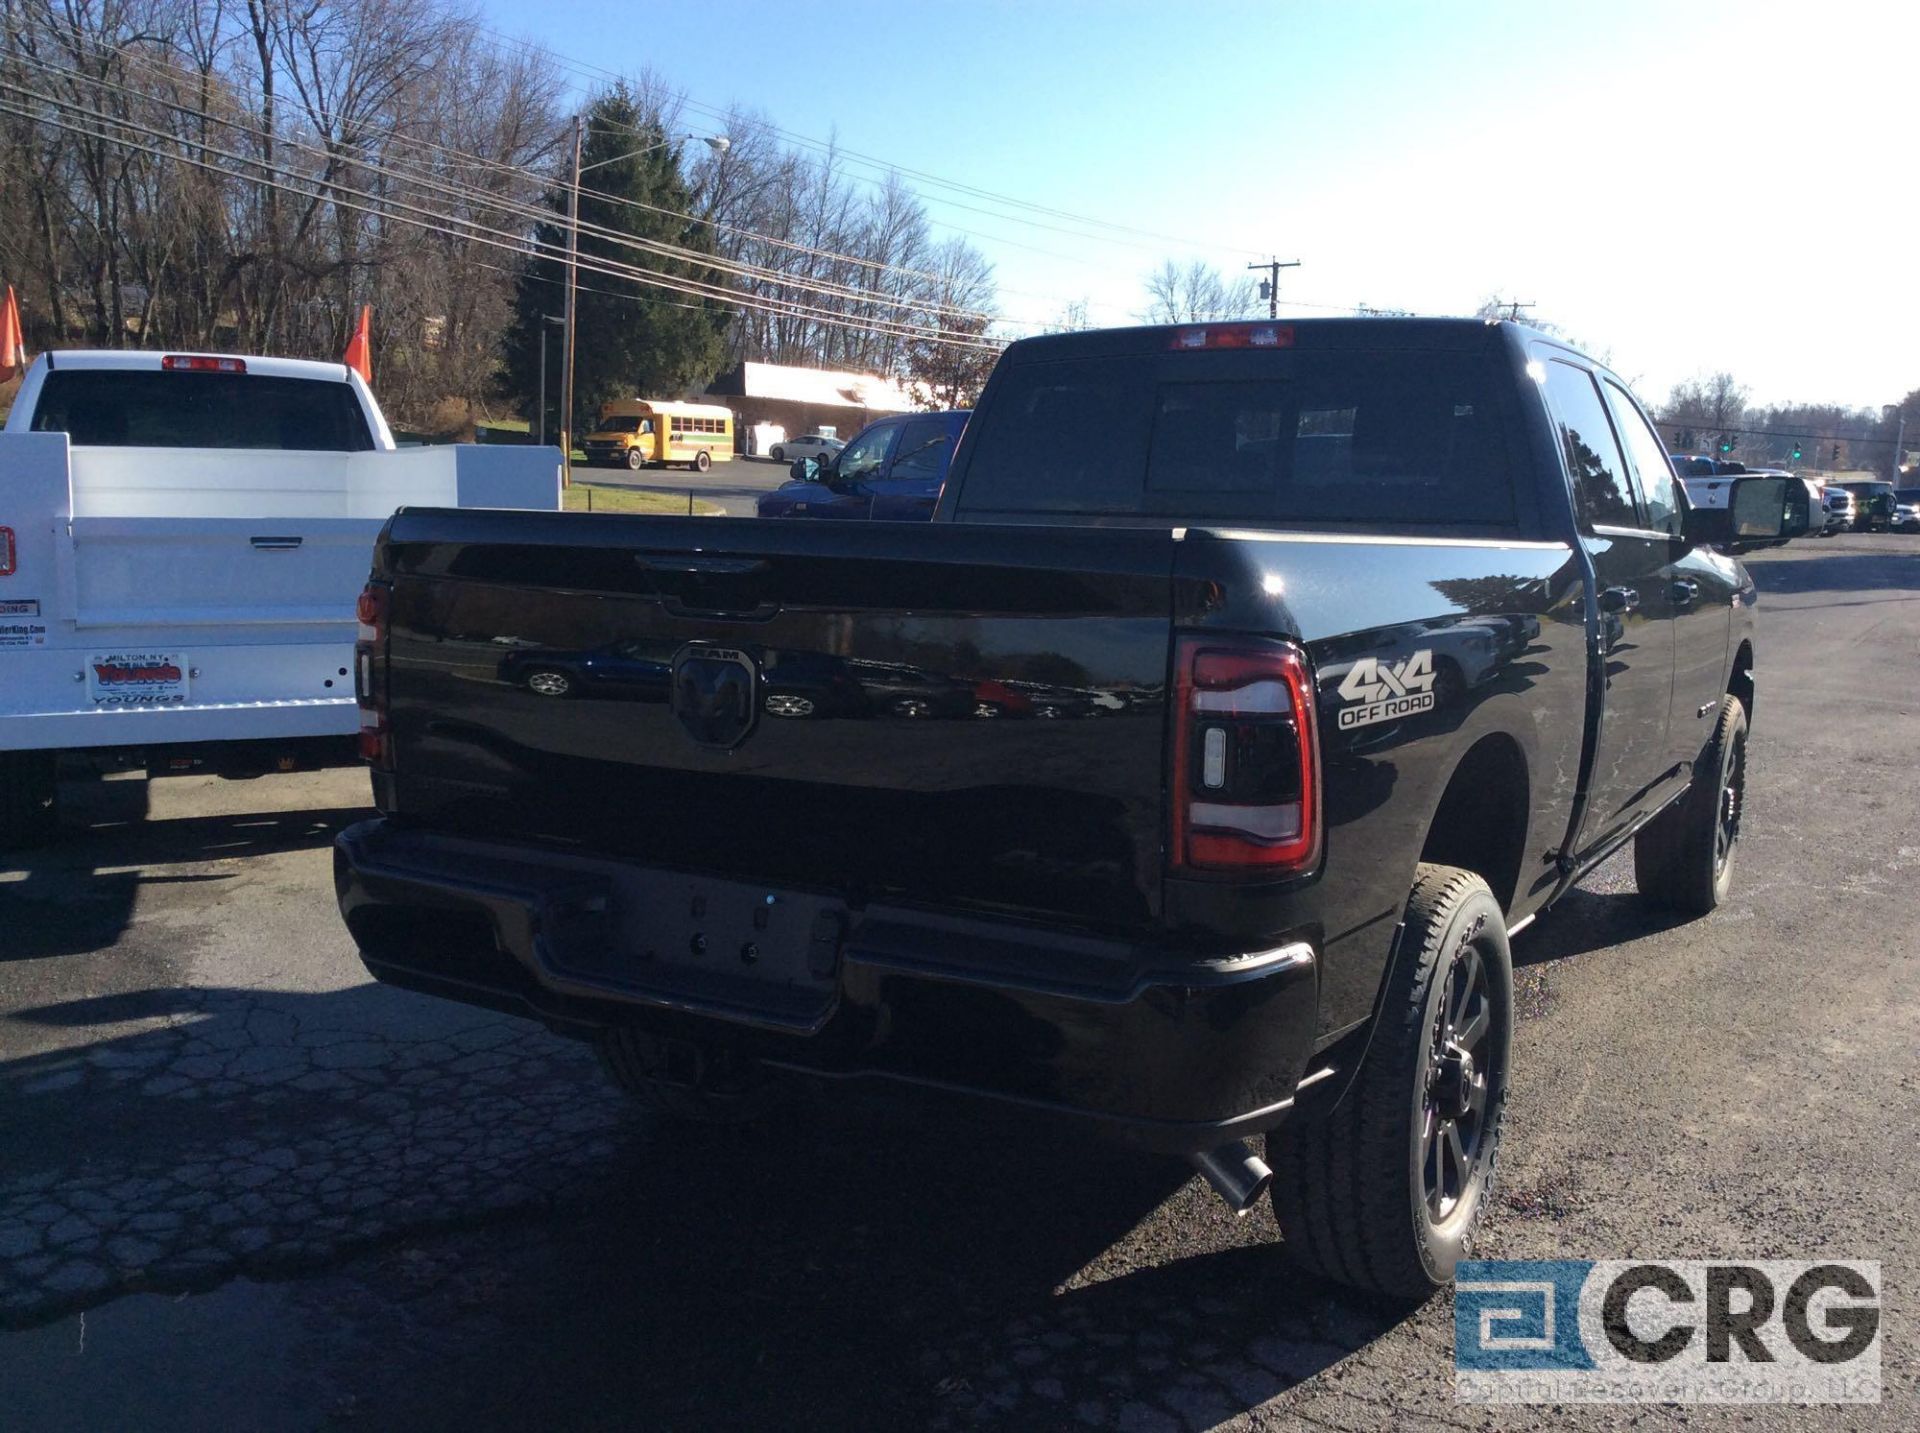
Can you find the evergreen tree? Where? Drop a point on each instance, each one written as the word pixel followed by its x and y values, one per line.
pixel 635 340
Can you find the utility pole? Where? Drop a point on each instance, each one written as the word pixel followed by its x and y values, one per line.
pixel 1270 286
pixel 573 274
pixel 556 321
pixel 1899 437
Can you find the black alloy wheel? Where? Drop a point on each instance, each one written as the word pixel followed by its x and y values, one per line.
pixel 1460 1064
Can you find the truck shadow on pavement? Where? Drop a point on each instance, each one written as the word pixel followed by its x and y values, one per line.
pixel 1584 921
pixel 929 1264
pixel 77 894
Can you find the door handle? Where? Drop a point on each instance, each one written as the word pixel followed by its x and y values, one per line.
pixel 275 544
pixel 1685 589
pixel 1618 599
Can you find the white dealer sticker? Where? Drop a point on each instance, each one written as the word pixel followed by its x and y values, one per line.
pixel 18 627
pixel 137 679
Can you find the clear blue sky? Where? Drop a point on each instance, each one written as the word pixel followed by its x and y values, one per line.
pixel 1685 187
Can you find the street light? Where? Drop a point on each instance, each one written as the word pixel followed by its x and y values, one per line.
pixel 718 143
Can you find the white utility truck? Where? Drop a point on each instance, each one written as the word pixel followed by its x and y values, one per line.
pixel 182 538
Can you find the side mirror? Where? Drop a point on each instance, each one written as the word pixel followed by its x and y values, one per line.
pixel 805 470
pixel 1759 512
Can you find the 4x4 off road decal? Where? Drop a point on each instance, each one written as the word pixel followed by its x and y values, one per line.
pixel 1381 691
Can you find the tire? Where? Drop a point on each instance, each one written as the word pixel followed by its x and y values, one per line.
pixel 779 454
pixel 636 460
pixel 701 462
pixel 548 683
pixel 726 1092
pixel 1366 1194
pixel 29 798
pixel 1683 859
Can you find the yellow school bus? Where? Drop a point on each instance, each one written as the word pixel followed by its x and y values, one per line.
pixel 653 433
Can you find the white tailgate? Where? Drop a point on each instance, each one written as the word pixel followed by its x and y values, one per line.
pixel 166 594
pixel 156 573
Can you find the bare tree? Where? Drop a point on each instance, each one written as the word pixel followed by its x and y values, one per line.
pixel 1072 318
pixel 245 173
pixel 1196 293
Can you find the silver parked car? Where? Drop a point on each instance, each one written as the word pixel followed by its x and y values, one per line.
pixel 811 445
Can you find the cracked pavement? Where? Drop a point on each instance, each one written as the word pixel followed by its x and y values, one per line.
pixel 240 1184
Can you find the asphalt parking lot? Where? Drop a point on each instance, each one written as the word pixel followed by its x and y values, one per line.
pixel 242 1186
pixel 734 486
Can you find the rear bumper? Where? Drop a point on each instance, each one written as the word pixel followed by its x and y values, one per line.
pixel 1170 1055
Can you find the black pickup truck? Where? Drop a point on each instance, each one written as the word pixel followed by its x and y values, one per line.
pixel 1187 774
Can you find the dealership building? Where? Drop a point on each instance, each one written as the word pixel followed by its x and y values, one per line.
pixel 765 396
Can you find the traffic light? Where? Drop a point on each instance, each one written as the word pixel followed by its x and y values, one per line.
pixel 1796 451
pixel 1726 442
pixel 1836 452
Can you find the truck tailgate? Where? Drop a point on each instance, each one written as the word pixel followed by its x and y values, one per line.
pixel 967 716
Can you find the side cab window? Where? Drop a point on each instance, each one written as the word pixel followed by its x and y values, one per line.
pixel 864 457
pixel 1649 458
pixel 1594 460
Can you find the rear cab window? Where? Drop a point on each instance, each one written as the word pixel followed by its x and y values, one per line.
pixel 137 408
pixel 1313 437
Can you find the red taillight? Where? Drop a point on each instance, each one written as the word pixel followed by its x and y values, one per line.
pixel 8 555
pixel 202 363
pixel 1233 335
pixel 371 609
pixel 369 675
pixel 1245 784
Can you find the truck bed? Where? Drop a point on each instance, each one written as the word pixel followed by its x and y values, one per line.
pixel 965 717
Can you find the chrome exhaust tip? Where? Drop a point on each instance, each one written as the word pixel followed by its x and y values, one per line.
pixel 1237 1174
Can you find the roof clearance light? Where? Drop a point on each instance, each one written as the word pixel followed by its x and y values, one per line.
pixel 202 363
pixel 1234 335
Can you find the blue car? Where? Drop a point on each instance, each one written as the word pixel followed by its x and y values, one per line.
pixel 891 472
pixel 629 670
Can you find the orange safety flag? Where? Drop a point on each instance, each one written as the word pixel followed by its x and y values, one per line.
pixel 359 354
pixel 13 339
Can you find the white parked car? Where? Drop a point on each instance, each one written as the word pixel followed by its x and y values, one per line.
pixel 810 445
pixel 182 541
pixel 1906 509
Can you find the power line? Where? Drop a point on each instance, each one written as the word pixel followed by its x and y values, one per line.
pixel 502 202
pixel 878 324
pixel 522 174
pixel 1707 425
pixel 527 210
pixel 870 161
pixel 514 244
